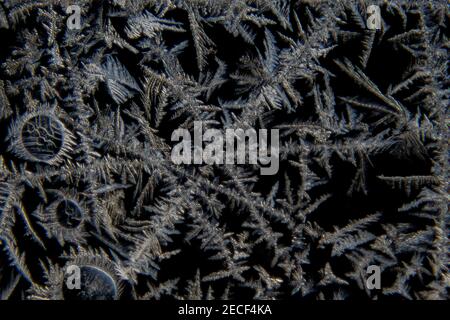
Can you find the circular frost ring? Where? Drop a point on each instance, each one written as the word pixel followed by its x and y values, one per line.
pixel 95 284
pixel 42 137
pixel 69 214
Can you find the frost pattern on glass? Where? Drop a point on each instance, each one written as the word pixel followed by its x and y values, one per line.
pixel 86 175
